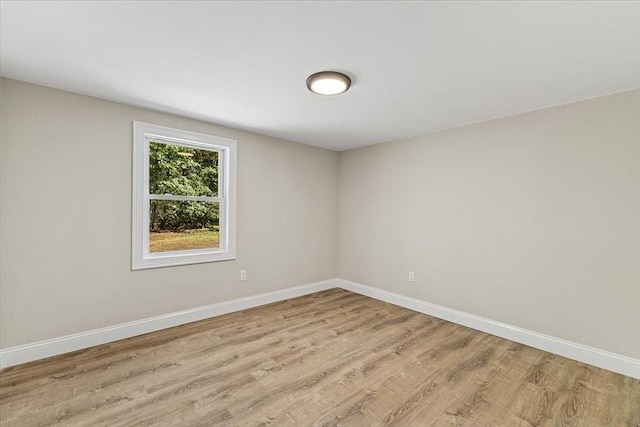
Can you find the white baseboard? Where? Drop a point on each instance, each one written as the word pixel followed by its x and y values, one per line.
pixel 582 353
pixel 39 350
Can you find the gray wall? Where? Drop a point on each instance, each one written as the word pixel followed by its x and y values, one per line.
pixel 66 218
pixel 531 220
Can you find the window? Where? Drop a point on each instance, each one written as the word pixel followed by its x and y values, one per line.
pixel 183 197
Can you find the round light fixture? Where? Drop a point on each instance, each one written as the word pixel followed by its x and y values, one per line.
pixel 328 83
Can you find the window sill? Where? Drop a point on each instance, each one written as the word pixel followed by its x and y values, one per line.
pixel 175 259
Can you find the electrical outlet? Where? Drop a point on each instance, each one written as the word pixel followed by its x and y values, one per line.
pixel 243 274
pixel 412 276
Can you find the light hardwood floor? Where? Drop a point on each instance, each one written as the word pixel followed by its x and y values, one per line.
pixel 331 358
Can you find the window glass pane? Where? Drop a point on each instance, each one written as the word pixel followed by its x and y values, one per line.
pixel 182 171
pixel 178 225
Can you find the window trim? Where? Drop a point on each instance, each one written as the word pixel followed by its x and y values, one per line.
pixel 227 152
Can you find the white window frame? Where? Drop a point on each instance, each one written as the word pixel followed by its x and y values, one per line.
pixel 141 258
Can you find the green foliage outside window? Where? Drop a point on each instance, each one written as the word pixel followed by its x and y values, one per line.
pixel 182 171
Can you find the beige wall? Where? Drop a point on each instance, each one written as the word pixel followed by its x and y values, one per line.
pixel 66 218
pixel 531 220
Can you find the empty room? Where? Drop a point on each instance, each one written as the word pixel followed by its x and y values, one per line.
pixel 319 213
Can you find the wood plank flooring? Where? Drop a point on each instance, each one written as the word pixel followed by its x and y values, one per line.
pixel 331 358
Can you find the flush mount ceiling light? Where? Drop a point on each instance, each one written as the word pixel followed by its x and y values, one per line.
pixel 328 83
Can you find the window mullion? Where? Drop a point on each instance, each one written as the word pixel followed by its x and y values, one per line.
pixel 184 198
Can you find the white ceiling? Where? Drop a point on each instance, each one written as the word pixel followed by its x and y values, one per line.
pixel 416 67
